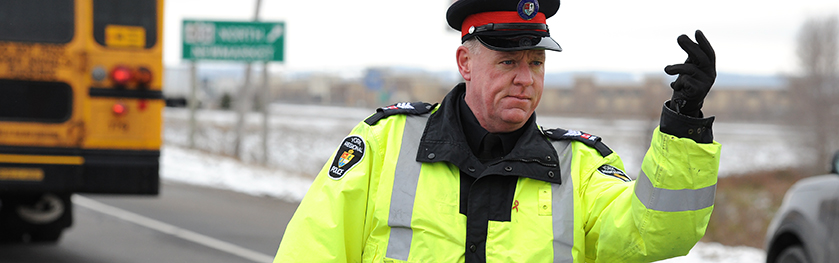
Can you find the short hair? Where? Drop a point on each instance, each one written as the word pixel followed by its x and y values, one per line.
pixel 473 45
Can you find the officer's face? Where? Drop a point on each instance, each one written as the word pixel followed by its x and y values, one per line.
pixel 502 88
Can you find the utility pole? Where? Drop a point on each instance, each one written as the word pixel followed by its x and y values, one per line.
pixel 193 103
pixel 244 99
pixel 265 101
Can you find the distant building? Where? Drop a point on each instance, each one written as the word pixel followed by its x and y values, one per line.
pixel 644 100
pixel 585 96
pixel 332 90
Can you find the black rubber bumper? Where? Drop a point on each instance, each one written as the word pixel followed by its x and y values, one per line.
pixel 121 172
pixel 133 172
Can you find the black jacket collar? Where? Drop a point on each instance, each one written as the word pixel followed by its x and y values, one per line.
pixel 444 139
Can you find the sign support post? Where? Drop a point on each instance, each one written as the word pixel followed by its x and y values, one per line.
pixel 236 41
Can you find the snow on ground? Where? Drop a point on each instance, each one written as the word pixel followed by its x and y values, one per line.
pixel 205 169
pixel 303 137
pixel 717 253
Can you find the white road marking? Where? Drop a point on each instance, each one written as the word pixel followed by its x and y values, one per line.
pixel 171 230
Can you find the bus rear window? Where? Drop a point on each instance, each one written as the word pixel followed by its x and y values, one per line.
pixel 39 21
pixel 125 23
pixel 35 101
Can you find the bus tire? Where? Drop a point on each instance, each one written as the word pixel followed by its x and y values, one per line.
pixel 34 218
pixel 46 209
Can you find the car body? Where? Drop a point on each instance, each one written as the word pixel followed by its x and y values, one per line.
pixel 806 227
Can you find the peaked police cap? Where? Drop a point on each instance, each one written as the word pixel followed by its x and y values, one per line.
pixel 505 25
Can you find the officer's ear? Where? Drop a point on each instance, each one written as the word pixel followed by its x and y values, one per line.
pixel 463 59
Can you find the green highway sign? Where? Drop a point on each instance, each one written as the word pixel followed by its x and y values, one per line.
pixel 238 41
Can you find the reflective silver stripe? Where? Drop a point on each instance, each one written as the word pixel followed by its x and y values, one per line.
pixel 667 200
pixel 405 182
pixel 562 201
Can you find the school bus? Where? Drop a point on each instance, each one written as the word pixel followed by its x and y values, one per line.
pixel 80 107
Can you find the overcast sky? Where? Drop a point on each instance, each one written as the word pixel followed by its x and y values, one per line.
pixel 749 36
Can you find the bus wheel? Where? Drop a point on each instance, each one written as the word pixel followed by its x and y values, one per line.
pixel 48 208
pixel 38 218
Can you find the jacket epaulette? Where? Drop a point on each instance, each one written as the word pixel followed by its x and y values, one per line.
pixel 588 139
pixel 412 108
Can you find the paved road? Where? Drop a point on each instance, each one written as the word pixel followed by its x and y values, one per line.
pixel 184 224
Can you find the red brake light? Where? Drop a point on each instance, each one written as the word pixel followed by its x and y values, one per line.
pixel 118 109
pixel 121 75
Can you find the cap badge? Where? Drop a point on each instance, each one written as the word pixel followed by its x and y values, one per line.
pixel 528 9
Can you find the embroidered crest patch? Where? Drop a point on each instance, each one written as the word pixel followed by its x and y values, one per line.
pixel 349 154
pixel 613 172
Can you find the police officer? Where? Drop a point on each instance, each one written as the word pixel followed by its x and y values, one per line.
pixel 475 179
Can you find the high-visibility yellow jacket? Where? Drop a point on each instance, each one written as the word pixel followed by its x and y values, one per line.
pixel 392 193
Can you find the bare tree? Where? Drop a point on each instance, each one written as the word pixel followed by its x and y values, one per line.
pixel 816 92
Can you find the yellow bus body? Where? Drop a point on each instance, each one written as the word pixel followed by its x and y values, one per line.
pixel 94 148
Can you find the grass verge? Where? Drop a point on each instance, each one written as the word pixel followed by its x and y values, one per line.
pixel 746 203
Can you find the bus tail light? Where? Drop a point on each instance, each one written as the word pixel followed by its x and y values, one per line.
pixel 144 77
pixel 121 75
pixel 119 109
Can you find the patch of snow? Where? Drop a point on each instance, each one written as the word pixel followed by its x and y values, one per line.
pixel 210 170
pixel 718 253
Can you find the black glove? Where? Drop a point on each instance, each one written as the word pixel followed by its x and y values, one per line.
pixel 696 75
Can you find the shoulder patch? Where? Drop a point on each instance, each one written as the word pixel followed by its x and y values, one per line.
pixel 588 139
pixel 612 171
pixel 412 108
pixel 349 154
